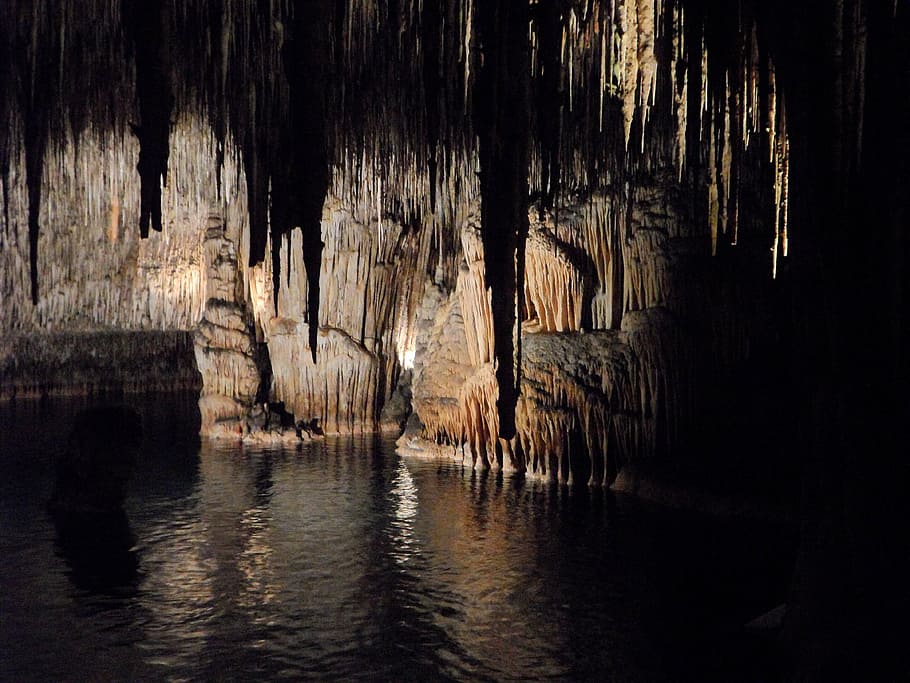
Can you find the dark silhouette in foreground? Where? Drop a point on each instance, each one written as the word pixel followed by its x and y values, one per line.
pixel 93 531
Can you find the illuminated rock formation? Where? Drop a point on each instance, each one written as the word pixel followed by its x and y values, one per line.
pixel 617 91
pixel 631 185
pixel 591 400
pixel 98 273
pixel 367 286
pixel 577 220
pixel 226 352
pixel 554 284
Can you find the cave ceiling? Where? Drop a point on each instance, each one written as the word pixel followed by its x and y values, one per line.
pixel 511 102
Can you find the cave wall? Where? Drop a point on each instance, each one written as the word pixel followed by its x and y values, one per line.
pixel 370 279
pixel 643 141
pixel 102 286
pixel 598 396
pixel 96 272
pixel 655 156
pixel 717 195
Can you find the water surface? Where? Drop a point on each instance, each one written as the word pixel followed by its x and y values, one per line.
pixel 342 560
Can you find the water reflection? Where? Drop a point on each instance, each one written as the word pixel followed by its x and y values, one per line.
pixel 404 494
pixel 340 560
pixel 98 550
pixel 344 559
pixel 93 533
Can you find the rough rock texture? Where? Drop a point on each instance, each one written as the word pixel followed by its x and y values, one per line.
pixel 366 291
pixel 413 113
pixel 93 363
pixel 114 311
pixel 229 359
pixel 666 142
pixel 225 343
pixel 595 394
pixel 96 271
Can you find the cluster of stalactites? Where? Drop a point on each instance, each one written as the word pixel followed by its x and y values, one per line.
pixel 96 271
pixel 512 101
pixel 564 427
pixel 631 86
pixel 554 285
pixel 614 84
pixel 743 129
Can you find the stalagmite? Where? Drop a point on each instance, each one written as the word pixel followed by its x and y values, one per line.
pixel 225 346
pixel 474 157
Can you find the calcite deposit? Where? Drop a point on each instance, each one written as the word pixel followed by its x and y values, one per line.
pixel 235 372
pixel 551 225
pixel 558 237
pixel 591 398
pixel 225 344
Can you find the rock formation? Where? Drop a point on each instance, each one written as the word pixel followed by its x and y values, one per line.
pixel 617 91
pixel 579 221
pixel 585 198
pixel 225 344
pixel 235 370
pixel 591 398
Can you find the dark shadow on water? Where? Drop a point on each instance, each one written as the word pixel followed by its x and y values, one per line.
pixel 93 533
pixel 99 551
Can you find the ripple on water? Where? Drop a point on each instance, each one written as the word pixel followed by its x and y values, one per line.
pixel 336 560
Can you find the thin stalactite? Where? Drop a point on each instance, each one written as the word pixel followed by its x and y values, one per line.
pixel 35 147
pixel 149 24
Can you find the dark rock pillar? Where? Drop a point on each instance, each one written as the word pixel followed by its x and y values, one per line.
pixel 501 118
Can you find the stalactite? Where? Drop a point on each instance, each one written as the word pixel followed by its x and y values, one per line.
pixel 590 402
pixel 781 161
pixel 475 297
pixel 363 292
pixel 6 127
pixel 600 240
pixel 680 76
pixel 35 148
pixel 131 284
pixel 149 24
pixel 365 124
pixel 595 73
pixel 502 124
pixel 554 285
pixel 431 42
pixel 299 191
pixel 548 26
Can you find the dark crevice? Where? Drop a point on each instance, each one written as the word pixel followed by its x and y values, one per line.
pixel 35 146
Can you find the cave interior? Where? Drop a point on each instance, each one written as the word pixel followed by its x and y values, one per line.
pixel 590 241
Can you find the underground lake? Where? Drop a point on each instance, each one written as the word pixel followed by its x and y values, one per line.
pixel 339 559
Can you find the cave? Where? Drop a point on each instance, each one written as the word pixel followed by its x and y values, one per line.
pixel 469 339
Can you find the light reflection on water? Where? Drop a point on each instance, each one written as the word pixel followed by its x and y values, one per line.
pixel 339 560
